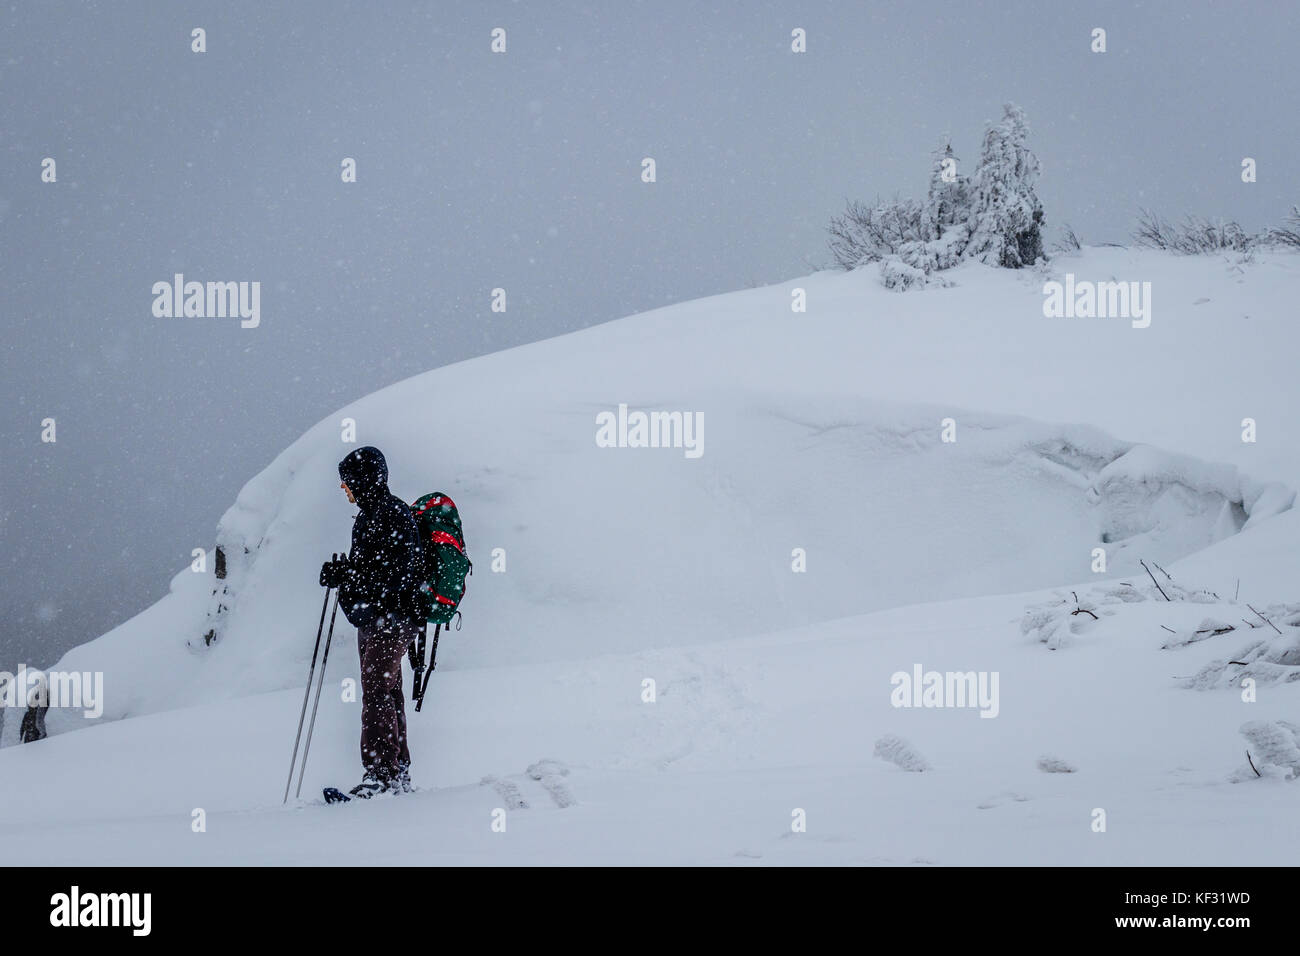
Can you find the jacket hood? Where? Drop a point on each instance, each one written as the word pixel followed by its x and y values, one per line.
pixel 366 473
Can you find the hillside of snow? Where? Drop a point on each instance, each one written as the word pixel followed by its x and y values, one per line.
pixel 741 735
pixel 822 431
pixel 823 440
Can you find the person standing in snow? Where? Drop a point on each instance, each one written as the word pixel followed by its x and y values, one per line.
pixel 378 591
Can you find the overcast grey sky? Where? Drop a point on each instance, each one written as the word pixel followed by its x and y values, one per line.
pixel 478 170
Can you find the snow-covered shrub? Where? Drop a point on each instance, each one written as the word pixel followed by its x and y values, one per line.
pixel 1068 242
pixel 1273 749
pixel 898 751
pixel 916 262
pixel 1064 615
pixel 1054 621
pixel 899 276
pixel 936 254
pixel 1208 628
pixel 1193 236
pixel 1272 658
pixel 1196 236
pixel 1049 764
pixel 865 234
pixel 1006 218
pixel 1288 234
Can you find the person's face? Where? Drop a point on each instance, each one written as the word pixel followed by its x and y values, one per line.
pixel 347 491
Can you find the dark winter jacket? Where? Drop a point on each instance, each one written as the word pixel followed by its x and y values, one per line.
pixel 386 565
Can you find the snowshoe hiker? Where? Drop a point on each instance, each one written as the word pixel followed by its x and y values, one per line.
pixel 379 586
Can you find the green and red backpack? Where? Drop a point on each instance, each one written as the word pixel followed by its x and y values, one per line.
pixel 446 565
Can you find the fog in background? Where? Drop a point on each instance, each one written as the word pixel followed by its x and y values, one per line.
pixel 478 171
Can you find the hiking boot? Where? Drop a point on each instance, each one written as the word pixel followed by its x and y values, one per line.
pixel 370 785
pixel 403 782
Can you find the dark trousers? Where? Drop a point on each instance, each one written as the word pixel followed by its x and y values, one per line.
pixel 383 708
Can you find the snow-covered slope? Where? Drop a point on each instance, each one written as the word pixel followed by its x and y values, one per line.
pixel 822 431
pixel 741 735
pixel 596 568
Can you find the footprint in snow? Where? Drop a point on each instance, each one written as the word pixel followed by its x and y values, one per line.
pixel 508 790
pixel 550 774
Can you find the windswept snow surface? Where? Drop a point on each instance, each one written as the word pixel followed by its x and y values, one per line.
pixel 741 735
pixel 822 431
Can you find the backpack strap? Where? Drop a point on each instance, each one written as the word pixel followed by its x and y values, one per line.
pixel 422 686
pixel 416 652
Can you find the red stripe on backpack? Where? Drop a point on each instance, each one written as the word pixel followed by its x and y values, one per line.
pixel 443 537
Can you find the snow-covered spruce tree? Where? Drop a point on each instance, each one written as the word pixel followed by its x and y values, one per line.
pixel 1006 218
pixel 947 202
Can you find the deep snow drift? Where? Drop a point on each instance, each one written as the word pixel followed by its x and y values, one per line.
pixel 823 431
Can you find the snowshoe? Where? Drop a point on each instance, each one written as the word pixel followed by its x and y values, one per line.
pixel 370 786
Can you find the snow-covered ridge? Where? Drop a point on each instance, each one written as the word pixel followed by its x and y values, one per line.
pixel 824 435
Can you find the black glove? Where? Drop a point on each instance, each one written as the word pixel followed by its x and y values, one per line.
pixel 334 572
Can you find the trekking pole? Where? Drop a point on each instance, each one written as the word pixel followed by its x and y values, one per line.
pixel 320 629
pixel 320 684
